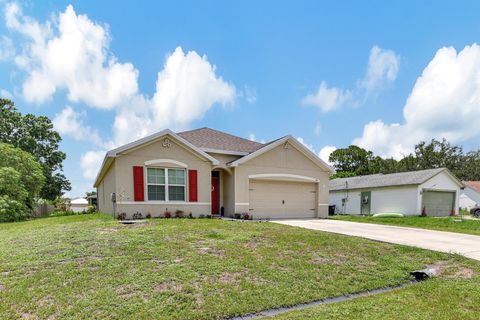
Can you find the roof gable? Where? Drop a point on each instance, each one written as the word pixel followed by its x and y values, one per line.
pixel 294 143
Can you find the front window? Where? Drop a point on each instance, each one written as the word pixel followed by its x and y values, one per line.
pixel 166 184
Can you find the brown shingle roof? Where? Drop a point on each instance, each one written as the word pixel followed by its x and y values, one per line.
pixel 207 138
pixel 475 185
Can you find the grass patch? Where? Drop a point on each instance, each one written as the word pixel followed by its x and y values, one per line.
pixel 90 266
pixel 454 295
pixel 452 224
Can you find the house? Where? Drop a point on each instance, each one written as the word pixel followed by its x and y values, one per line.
pixel 205 171
pixel 435 192
pixel 470 195
pixel 78 204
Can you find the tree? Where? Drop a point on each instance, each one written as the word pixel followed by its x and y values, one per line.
pixel 35 135
pixel 21 180
pixel 351 161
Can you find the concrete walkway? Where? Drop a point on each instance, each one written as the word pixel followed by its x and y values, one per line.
pixel 449 242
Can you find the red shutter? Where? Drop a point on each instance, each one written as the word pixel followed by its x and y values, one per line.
pixel 192 186
pixel 138 186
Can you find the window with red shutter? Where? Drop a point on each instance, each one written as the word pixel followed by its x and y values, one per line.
pixel 192 186
pixel 138 184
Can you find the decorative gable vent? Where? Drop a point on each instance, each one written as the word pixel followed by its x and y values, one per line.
pixel 166 143
pixel 286 145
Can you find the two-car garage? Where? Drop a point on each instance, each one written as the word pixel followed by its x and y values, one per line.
pixel 282 199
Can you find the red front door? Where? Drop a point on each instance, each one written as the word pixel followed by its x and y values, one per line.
pixel 215 195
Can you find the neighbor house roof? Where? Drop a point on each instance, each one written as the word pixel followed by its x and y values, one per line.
pixel 387 180
pixel 475 185
pixel 210 140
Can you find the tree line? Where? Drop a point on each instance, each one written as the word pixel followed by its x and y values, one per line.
pixel 31 164
pixel 356 161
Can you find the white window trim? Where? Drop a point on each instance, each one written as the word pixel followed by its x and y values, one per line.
pixel 166 184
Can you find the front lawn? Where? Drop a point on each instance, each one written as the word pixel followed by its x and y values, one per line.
pixel 451 224
pixel 453 296
pixel 90 266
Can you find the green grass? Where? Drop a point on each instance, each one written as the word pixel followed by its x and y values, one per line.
pixel 90 266
pixel 454 295
pixel 451 224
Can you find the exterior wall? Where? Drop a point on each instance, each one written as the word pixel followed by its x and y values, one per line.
pixel 383 200
pixel 441 182
pixel 280 161
pixel 124 180
pixel 228 192
pixel 105 189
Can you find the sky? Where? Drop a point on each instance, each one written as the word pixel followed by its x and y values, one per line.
pixel 383 75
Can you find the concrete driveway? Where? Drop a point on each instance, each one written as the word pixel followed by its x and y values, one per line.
pixel 449 242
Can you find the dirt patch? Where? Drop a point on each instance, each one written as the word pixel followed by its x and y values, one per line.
pixel 45 301
pixel 231 277
pixel 126 291
pixel 170 286
pixel 453 270
pixel 212 251
pixel 2 288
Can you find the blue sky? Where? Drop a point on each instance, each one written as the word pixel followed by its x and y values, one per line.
pixel 329 72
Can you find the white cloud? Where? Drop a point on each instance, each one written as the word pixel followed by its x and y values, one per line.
pixel 72 123
pixel 252 137
pixel 70 52
pixel 5 94
pixel 7 49
pixel 250 94
pixel 90 163
pixel 327 98
pixel 325 152
pixel 382 68
pixel 187 87
pixel 444 103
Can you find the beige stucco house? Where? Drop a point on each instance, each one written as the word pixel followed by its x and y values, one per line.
pixel 205 171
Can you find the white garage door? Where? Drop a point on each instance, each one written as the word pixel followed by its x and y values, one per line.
pixel 282 199
pixel 437 203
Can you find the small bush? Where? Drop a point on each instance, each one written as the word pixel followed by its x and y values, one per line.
pixel 190 215
pixel 202 216
pixel 122 216
pixel 167 214
pixel 179 214
pixel 137 215
pixel 91 209
pixel 12 210
pixel 148 216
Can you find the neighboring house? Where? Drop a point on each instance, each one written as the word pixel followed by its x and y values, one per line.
pixel 78 204
pixel 435 192
pixel 470 196
pixel 205 171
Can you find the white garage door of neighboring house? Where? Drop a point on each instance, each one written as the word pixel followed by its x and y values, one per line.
pixel 282 199
pixel 438 203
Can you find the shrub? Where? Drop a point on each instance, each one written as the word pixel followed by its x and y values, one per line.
pixel 91 209
pixel 202 216
pixel 190 215
pixel 179 214
pixel 137 215
pixel 148 216
pixel 122 216
pixel 21 180
pixel 12 210
pixel 167 214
